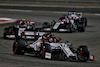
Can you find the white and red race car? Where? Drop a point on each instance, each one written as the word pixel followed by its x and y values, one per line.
pixel 50 47
pixel 76 16
pixel 65 24
pixel 21 25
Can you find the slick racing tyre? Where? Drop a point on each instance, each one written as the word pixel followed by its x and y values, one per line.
pixel 46 25
pixel 42 51
pixel 44 48
pixel 83 53
pixel 85 21
pixel 82 28
pixel 19 47
pixel 6 30
pixel 82 24
pixel 62 56
pixel 22 35
pixel 70 27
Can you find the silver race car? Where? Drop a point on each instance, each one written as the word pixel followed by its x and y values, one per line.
pixel 68 23
pixel 50 47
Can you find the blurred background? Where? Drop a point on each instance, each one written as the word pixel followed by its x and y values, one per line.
pixel 54 3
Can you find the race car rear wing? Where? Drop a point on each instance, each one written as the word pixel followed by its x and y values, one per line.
pixel 25 22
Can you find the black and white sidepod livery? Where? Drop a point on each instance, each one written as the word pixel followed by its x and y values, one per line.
pixel 68 23
pixel 50 47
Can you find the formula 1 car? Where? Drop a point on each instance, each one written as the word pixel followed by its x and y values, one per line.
pixel 68 23
pixel 21 25
pixel 50 47
pixel 76 16
pixel 58 26
pixel 64 24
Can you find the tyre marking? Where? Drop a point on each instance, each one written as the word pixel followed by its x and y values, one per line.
pixel 42 51
pixel 15 47
pixel 81 51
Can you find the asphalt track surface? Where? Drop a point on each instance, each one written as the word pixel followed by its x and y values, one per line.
pixel 46 8
pixel 91 38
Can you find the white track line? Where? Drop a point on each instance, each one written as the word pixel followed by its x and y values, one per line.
pixel 97 14
pixel 60 12
pixel 20 10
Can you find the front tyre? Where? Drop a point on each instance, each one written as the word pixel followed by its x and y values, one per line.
pixel 83 53
pixel 45 48
pixel 70 28
pixel 42 51
pixel 62 56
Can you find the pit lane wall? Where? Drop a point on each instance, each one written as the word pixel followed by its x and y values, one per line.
pixel 65 3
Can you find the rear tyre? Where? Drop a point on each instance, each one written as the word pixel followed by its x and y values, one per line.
pixel 71 28
pixel 22 35
pixel 82 28
pixel 6 30
pixel 85 21
pixel 82 53
pixel 82 24
pixel 4 36
pixel 19 47
pixel 46 25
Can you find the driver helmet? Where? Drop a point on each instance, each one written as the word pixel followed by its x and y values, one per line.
pixel 23 19
pixel 51 40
